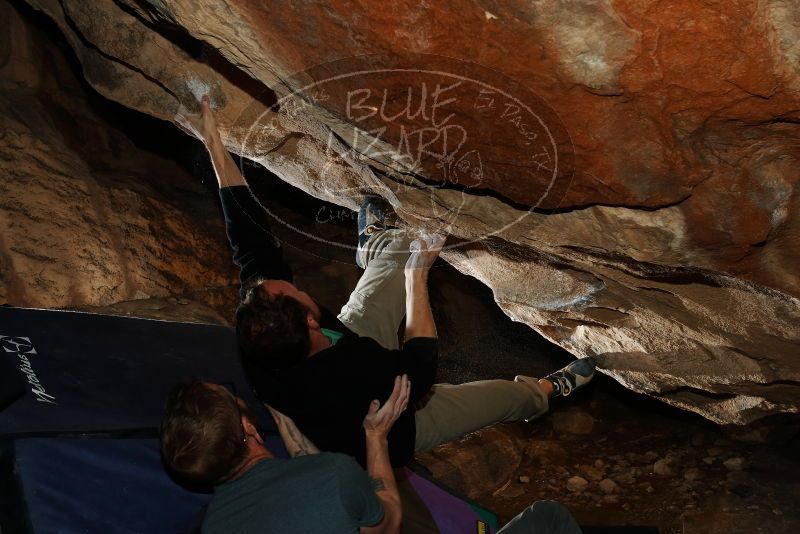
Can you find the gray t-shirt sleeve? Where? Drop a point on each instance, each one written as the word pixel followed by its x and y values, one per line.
pixel 357 494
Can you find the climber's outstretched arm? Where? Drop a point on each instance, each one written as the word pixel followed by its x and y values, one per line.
pixel 204 127
pixel 256 250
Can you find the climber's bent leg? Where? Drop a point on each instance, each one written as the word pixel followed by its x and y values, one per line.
pixel 453 411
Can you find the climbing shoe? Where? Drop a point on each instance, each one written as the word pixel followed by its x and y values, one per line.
pixel 572 377
pixel 372 218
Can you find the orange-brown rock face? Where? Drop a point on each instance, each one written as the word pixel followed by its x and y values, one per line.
pixel 623 174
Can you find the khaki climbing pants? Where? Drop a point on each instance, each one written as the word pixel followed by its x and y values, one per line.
pixel 375 309
pixel 453 411
pixel 378 303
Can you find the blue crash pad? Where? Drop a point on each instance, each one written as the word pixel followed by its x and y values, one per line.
pixel 109 486
pixel 100 485
pixel 89 373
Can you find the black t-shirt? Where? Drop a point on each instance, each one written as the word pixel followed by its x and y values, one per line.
pixel 328 394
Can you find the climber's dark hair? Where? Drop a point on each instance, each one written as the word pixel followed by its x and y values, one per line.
pixel 272 329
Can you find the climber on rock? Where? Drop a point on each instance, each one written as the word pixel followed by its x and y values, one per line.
pixel 322 370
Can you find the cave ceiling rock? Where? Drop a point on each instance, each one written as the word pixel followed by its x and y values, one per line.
pixel 671 252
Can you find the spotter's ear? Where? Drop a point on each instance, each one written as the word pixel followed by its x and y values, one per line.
pixel 250 430
pixel 312 322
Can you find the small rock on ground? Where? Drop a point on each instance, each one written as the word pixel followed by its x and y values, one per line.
pixel 661 467
pixel 692 474
pixel 573 422
pixel 608 486
pixel 734 464
pixel 591 472
pixel 577 484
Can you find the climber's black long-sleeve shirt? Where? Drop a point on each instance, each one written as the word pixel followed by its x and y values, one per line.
pixel 256 251
pixel 328 394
